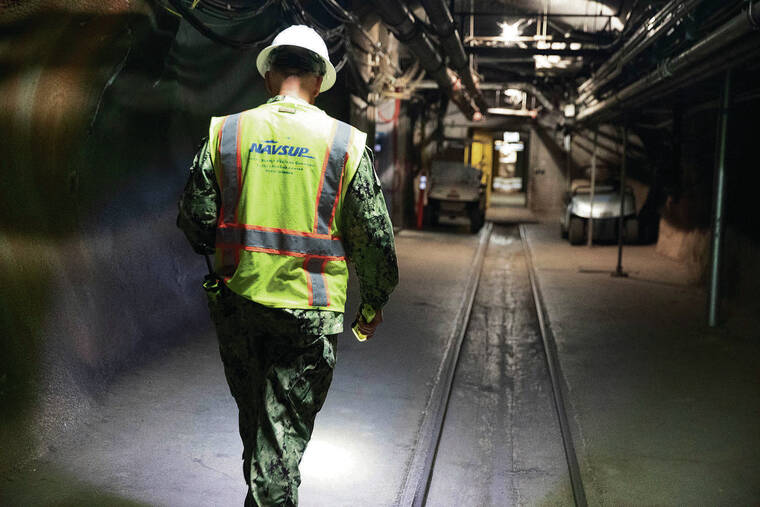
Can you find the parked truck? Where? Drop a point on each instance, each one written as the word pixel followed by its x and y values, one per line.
pixel 456 189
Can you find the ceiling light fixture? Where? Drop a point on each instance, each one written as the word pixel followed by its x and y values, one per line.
pixel 510 32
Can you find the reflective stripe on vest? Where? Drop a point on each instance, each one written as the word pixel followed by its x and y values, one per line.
pixel 315 266
pixel 331 180
pixel 231 183
pixel 317 247
pixel 293 243
pixel 229 147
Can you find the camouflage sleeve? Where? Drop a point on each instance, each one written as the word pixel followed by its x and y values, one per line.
pixel 368 236
pixel 199 204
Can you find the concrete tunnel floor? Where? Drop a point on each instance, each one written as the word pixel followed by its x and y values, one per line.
pixel 664 411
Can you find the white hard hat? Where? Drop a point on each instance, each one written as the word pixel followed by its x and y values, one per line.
pixel 303 37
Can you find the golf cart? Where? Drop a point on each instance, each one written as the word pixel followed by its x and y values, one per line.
pixel 606 211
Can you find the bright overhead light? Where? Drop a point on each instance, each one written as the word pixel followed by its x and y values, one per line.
pixel 510 32
pixel 514 93
pixel 510 137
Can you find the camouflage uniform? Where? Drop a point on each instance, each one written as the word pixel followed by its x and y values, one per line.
pixel 279 362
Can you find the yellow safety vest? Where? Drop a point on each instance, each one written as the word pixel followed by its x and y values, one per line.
pixel 283 170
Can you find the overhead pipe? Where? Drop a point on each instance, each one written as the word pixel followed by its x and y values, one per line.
pixel 607 65
pixel 726 58
pixel 405 27
pixel 443 24
pixel 718 63
pixel 730 32
pixel 630 44
pixel 530 14
pixel 649 32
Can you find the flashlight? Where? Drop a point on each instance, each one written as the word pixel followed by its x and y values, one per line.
pixel 367 314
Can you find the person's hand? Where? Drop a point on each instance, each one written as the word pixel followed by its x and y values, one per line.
pixel 368 328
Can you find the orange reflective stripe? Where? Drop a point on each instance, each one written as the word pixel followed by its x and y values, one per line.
pixel 332 175
pixel 315 279
pixel 282 252
pixel 281 231
pixel 325 165
pixel 279 241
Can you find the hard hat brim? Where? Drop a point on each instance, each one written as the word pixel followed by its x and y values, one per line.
pixel 328 80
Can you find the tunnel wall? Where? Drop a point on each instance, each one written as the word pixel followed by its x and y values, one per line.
pixel 687 181
pixel 687 208
pixel 103 105
pixel 92 267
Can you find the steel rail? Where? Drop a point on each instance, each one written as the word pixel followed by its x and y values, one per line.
pixel 419 472
pixel 555 375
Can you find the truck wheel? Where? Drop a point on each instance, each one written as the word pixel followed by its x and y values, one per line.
pixel 631 231
pixel 477 218
pixel 575 230
pixel 433 210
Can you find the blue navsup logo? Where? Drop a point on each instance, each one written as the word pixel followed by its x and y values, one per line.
pixel 273 148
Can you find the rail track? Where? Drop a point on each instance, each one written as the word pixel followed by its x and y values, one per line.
pixel 416 486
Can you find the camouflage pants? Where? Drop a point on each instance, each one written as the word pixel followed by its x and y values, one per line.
pixel 279 376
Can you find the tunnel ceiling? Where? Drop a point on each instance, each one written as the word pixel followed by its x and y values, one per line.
pixel 566 49
pixel 585 52
pixel 538 41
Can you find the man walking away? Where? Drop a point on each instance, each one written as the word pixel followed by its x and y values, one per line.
pixel 283 195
